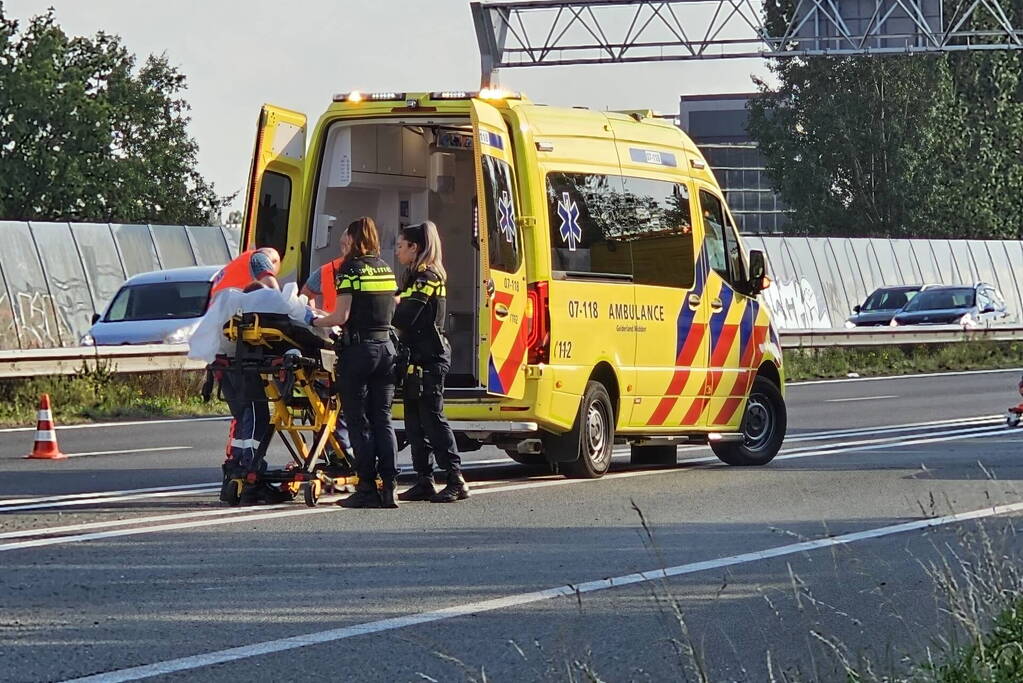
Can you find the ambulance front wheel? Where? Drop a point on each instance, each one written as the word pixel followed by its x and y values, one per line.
pixel 584 452
pixel 763 428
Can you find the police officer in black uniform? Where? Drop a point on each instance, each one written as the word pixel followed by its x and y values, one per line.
pixel 365 287
pixel 419 319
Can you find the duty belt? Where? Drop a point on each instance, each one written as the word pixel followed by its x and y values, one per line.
pixel 359 336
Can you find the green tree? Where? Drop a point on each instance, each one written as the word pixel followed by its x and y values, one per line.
pixel 900 146
pixel 86 134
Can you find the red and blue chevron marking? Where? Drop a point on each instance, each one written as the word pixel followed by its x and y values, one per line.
pixel 500 380
pixel 688 337
pixel 750 339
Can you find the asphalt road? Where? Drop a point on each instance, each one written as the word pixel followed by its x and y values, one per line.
pixel 535 577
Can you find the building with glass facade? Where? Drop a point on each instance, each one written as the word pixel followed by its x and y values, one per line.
pixel 717 124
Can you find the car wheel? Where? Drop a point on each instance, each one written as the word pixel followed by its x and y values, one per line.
pixel 763 428
pixel 585 450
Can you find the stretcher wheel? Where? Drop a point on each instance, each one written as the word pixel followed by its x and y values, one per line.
pixel 311 493
pixel 231 492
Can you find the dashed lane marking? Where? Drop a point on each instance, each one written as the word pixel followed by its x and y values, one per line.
pixel 860 398
pixel 130 450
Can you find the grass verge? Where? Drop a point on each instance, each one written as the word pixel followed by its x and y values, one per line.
pixel 995 657
pixel 903 359
pixel 98 394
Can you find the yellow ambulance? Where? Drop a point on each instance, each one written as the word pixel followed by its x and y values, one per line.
pixel 599 292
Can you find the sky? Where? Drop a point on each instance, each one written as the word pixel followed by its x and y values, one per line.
pixel 238 54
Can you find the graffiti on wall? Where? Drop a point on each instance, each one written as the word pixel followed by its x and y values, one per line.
pixel 33 314
pixel 794 306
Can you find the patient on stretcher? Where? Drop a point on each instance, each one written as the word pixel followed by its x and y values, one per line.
pixel 257 339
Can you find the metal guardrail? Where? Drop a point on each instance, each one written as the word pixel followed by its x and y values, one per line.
pixel 882 336
pixel 157 357
pixel 72 359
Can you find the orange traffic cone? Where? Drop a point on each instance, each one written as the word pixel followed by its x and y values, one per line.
pixel 45 447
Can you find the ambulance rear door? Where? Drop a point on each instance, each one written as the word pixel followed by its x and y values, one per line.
pixel 502 291
pixel 273 201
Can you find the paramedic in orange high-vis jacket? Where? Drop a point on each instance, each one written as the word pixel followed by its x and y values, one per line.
pixel 320 285
pixel 255 265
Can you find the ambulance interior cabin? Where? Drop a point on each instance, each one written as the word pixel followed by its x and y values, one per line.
pixel 400 174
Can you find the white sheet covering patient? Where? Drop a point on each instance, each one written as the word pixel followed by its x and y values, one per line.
pixel 208 339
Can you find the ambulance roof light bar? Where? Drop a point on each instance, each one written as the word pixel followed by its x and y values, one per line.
pixel 484 94
pixel 356 96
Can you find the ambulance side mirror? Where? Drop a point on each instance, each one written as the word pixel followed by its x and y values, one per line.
pixel 758 280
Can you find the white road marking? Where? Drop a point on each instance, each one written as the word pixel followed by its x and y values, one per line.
pixel 130 450
pixel 162 527
pixel 971 434
pixel 860 398
pixel 881 429
pixel 95 494
pixel 500 488
pixel 888 441
pixel 132 423
pixel 844 380
pixel 567 591
pixel 29 533
pixel 20 504
pixel 107 499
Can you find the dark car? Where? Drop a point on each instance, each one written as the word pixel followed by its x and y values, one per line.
pixel 976 306
pixel 882 305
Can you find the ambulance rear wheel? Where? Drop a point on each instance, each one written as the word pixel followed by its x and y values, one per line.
pixel 585 451
pixel 763 428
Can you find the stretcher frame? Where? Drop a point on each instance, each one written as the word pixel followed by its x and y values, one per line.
pixel 300 390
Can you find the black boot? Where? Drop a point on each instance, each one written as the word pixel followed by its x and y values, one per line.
pixel 423 489
pixel 387 498
pixel 456 489
pixel 364 497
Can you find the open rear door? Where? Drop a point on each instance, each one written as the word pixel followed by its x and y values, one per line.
pixel 273 216
pixel 502 306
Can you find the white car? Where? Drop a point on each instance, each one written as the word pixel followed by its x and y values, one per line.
pixel 160 307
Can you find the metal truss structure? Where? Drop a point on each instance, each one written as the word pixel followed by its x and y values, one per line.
pixel 524 33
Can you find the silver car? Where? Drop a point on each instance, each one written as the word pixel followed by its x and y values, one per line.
pixel 163 306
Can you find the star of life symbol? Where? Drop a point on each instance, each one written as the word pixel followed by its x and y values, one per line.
pixel 571 233
pixel 506 217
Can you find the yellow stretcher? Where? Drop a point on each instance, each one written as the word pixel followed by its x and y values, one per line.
pixel 304 409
